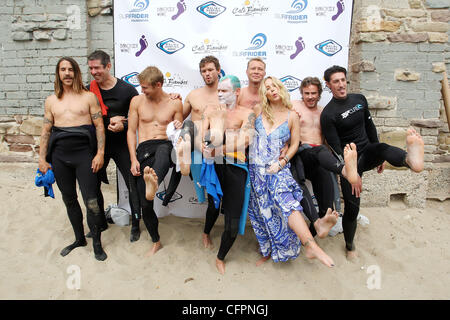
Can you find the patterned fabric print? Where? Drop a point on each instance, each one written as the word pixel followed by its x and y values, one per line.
pixel 273 196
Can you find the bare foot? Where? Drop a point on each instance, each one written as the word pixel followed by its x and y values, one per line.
pixel 156 246
pixel 414 147
pixel 262 260
pixel 313 251
pixel 151 183
pixel 206 240
pixel 220 265
pixel 184 155
pixel 350 170
pixel 351 255
pixel 324 225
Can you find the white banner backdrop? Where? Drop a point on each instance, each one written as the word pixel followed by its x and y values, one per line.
pixel 296 39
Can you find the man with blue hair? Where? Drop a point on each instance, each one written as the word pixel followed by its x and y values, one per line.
pixel 228 129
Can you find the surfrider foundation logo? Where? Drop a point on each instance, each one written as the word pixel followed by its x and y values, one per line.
pixel 256 43
pixel 137 12
pixel 295 14
pixel 298 6
pixel 140 5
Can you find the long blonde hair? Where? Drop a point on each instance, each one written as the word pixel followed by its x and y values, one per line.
pixel 265 103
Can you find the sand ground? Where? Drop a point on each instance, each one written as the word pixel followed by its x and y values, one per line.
pixel 403 254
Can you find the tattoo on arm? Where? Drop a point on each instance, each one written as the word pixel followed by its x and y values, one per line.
pixel 100 138
pixel 47 121
pixel 251 121
pixel 43 144
pixel 96 115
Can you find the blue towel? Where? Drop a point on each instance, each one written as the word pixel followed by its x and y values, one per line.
pixel 209 179
pixel 45 180
pixel 196 168
pixel 243 218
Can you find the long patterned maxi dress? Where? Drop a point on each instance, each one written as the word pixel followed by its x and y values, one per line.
pixel 273 197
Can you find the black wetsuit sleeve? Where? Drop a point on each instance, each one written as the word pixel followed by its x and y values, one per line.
pixel 371 130
pixel 330 132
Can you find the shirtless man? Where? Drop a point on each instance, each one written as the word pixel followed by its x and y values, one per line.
pixel 190 144
pixel 346 118
pixel 256 71
pixel 313 159
pixel 236 123
pixel 150 113
pixel 73 141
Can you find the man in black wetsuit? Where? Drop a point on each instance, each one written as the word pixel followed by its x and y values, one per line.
pixel 115 96
pixel 346 119
pixel 150 113
pixel 72 144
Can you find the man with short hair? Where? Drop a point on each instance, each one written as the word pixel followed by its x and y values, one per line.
pixel 228 129
pixel 115 96
pixel 73 141
pixel 314 161
pixel 346 119
pixel 150 113
pixel 256 71
pixel 190 145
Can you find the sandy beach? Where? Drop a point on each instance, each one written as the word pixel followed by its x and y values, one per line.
pixel 407 249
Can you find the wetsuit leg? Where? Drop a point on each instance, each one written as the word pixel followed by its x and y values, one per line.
pixel 66 182
pixel 175 178
pixel 375 154
pixel 148 213
pixel 160 161
pixel 306 202
pixel 121 157
pixel 211 215
pixel 326 159
pixel 101 201
pixel 232 180
pixel 351 210
pixel 88 182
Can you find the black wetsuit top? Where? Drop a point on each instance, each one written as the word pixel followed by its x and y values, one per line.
pixel 118 101
pixel 348 120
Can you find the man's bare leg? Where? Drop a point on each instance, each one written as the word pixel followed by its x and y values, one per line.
pixel 151 183
pixel 324 224
pixel 414 147
pixel 350 170
pixel 184 155
pixel 312 250
pixel 206 240
pixel 220 265
pixel 155 247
